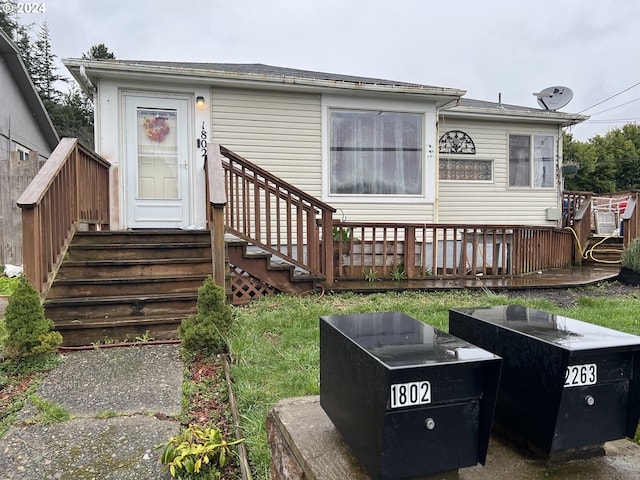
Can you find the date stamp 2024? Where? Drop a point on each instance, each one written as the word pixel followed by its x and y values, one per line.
pixel 20 7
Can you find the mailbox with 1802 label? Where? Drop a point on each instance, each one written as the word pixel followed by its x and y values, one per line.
pixel 408 399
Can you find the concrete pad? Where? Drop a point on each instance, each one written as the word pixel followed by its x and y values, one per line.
pixel 304 441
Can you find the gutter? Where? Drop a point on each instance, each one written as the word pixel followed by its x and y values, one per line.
pixel 103 69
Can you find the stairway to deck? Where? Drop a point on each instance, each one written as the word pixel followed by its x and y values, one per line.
pixel 122 285
pixel 604 250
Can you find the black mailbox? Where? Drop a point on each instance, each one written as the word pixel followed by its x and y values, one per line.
pixel 565 384
pixel 408 399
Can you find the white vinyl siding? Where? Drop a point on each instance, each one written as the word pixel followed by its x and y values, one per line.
pixel 494 202
pixel 280 132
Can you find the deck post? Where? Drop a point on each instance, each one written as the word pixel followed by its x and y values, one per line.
pixel 217 202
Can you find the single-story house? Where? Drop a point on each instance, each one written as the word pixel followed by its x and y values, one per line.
pixel 376 150
pixel 27 138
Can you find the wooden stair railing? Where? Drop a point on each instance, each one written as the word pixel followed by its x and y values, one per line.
pixel 630 219
pixel 277 216
pixel 216 202
pixel 71 189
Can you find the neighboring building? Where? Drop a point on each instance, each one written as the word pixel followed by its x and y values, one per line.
pixel 27 138
pixel 377 150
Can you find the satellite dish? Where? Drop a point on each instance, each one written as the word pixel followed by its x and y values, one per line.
pixel 553 98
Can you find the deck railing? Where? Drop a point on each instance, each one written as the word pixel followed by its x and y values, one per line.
pixel 276 216
pixel 630 219
pixel 70 192
pixel 411 251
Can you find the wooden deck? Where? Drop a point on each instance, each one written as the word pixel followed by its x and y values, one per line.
pixel 555 278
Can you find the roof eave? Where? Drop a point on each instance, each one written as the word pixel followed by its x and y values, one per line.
pixel 104 69
pixel 543 116
pixel 18 71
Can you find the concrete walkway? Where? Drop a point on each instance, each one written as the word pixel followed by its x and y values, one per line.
pixel 122 402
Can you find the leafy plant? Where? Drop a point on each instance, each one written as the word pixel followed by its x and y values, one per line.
pixel 146 337
pixel 398 273
pixel 196 453
pixel 631 256
pixel 207 330
pixel 370 275
pixel 29 333
pixel 340 233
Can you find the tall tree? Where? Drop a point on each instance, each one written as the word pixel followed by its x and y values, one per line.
pixel 7 21
pixel 43 68
pixel 98 52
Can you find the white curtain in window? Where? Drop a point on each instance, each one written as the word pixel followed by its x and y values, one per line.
pixel 543 161
pixel 519 165
pixel 375 153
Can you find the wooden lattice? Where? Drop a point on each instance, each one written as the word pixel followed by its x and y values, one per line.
pixel 246 288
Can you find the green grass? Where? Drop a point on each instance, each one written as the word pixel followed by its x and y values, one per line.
pixel 275 342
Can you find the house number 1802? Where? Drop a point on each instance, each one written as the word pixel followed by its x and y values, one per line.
pixel 408 394
pixel 202 143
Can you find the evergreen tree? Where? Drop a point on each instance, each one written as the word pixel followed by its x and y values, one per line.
pixel 43 71
pixel 8 22
pixel 98 52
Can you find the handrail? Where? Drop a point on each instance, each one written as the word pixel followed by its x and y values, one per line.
pixel 582 230
pixel 412 251
pixel 630 219
pixel 277 216
pixel 71 189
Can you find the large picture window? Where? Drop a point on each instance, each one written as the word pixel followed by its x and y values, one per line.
pixel 531 162
pixel 375 153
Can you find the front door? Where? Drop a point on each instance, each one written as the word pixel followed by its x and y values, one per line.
pixel 158 165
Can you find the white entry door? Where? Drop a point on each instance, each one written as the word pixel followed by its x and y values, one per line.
pixel 158 162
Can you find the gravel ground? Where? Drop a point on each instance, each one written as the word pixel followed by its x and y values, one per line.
pixel 567 297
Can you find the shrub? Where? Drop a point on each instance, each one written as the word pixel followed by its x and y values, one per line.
pixel 207 330
pixel 631 256
pixel 29 333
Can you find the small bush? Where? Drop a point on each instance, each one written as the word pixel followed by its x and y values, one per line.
pixel 29 333
pixel 631 256
pixel 196 453
pixel 207 330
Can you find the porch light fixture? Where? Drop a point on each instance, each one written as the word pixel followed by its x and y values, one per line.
pixel 199 101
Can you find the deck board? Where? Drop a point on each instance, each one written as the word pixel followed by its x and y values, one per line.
pixel 555 278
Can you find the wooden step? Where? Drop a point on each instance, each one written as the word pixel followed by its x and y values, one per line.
pixel 134 268
pixel 150 236
pixel 109 287
pixel 125 251
pixel 113 329
pixel 170 304
pixel 280 276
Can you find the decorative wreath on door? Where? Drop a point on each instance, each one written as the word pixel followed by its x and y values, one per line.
pixel 157 128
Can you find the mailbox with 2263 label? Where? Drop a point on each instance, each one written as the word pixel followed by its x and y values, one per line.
pixel 408 399
pixel 566 385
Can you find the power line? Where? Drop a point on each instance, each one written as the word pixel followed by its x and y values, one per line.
pixel 617 106
pixel 609 98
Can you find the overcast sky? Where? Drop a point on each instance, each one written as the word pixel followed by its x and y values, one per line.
pixel 485 47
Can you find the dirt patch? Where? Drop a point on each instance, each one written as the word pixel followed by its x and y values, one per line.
pixel 568 297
